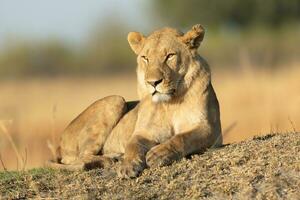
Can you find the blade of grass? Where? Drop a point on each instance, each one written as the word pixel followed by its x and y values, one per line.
pixel 12 143
pixel 2 163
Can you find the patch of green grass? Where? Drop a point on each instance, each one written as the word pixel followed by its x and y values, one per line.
pixel 31 183
pixel 18 175
pixel 40 171
pixel 6 175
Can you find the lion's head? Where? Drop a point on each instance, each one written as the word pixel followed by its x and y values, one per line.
pixel 166 61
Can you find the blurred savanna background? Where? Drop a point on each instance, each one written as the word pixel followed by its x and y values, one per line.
pixel 58 57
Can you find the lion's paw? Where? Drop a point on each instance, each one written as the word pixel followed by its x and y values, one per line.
pixel 131 169
pixel 160 155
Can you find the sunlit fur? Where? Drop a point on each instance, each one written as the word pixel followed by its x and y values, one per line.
pixel 161 97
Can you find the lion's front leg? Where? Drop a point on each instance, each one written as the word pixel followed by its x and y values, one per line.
pixel 135 157
pixel 163 154
pixel 180 146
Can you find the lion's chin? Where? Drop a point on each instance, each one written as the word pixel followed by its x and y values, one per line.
pixel 159 97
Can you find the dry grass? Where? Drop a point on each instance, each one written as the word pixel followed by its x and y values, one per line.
pixel 252 102
pixel 247 170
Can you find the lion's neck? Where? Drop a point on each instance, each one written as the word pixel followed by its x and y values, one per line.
pixel 197 79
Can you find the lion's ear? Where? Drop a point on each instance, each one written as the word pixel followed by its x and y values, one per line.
pixel 136 41
pixel 194 37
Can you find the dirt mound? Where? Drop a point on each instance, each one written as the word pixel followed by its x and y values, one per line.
pixel 265 167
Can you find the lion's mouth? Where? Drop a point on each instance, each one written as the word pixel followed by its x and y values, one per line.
pixel 155 92
pixel 162 97
pixel 171 92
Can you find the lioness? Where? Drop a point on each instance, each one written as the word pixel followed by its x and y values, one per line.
pixel 177 115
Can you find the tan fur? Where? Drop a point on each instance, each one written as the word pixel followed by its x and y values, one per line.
pixel 178 113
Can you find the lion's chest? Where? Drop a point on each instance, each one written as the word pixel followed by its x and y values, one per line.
pixel 156 128
pixel 187 119
pixel 155 124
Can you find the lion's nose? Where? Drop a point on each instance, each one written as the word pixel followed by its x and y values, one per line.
pixel 155 83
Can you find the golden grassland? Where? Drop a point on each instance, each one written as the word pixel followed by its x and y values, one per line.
pixel 33 111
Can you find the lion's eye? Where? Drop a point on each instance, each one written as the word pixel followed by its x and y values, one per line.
pixel 145 59
pixel 170 56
